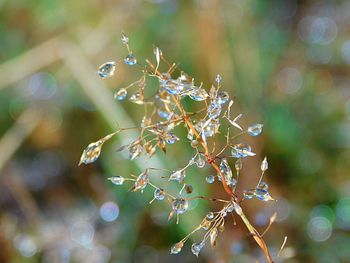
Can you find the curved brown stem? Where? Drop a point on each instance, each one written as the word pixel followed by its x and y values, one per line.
pixel 257 237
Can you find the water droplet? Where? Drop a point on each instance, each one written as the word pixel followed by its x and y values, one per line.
pixel 210 216
pixel 178 175
pixel 198 94
pixel 159 194
pixel 121 94
pixel 200 162
pixel 106 70
pixel 264 165
pixel 263 195
pixel 196 248
pixel 117 180
pixel 176 249
pixel 248 194
pixel 194 143
pixel 184 82
pixel 218 79
pixel 210 179
pixel 124 38
pixel 226 171
pixel 208 128
pixel 93 150
pixel 223 97
pixel 172 86
pixel 137 98
pixel 255 130
pixel 231 182
pixel 241 150
pixel 164 77
pixel 180 205
pixel 91 153
pixel 263 185
pixel 130 59
pixel 214 110
pixel 163 113
pixel 171 138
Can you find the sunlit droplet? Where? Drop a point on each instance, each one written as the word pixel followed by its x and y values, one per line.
pixel 176 249
pixel 130 59
pixel 210 179
pixel 210 216
pixel 159 194
pixel 200 162
pixel 106 70
pixel 248 194
pixel 198 94
pixel 117 180
pixel 120 94
pixel 178 175
pixel 241 150
pixel 214 110
pixel 225 169
pixel 263 195
pixel 91 153
pixel 263 185
pixel 171 138
pixel 196 248
pixel 223 97
pixel 180 205
pixel 194 143
pixel 255 130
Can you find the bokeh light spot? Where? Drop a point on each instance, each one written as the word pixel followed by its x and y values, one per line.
pixel 319 229
pixel 109 211
pixel 42 86
pixel 82 232
pixel 289 80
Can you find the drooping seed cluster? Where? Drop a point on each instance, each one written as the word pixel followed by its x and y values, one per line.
pixel 162 113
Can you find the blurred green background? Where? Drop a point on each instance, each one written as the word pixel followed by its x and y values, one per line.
pixel 286 61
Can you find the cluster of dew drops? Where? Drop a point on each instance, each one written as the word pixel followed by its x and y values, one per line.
pixel 162 115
